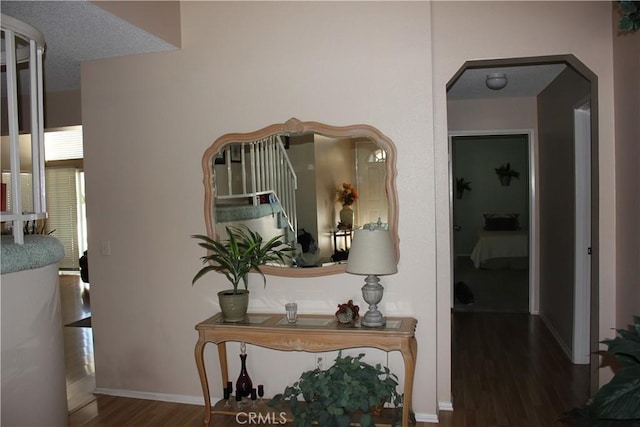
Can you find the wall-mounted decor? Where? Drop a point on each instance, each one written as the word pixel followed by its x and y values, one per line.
pixel 505 173
pixel 461 186
pixel 304 204
pixel 236 153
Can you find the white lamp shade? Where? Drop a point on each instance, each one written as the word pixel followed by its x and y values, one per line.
pixel 372 253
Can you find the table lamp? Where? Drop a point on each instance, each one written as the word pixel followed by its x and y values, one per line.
pixel 372 254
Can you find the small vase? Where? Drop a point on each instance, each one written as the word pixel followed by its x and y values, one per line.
pixel 346 216
pixel 244 384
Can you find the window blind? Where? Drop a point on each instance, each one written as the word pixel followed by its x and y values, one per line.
pixel 63 144
pixel 62 207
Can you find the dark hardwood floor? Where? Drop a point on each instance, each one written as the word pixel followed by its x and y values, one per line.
pixel 507 371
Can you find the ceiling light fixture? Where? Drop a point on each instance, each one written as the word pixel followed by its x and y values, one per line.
pixel 496 81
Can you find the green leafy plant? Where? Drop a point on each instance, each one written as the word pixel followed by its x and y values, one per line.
pixel 333 395
pixel 618 402
pixel 630 20
pixel 505 170
pixel 244 251
pixel 461 186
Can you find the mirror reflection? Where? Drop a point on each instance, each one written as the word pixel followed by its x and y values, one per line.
pixel 313 183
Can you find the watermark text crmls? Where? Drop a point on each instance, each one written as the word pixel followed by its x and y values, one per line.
pixel 257 418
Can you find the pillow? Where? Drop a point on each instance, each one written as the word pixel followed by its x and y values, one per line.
pixel 501 222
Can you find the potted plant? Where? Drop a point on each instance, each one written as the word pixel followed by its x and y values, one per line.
pixel 630 19
pixel 616 403
pixel 505 173
pixel 244 251
pixel 461 186
pixel 333 395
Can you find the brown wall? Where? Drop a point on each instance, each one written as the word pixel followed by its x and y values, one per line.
pixel 557 199
pixel 60 109
pixel 626 60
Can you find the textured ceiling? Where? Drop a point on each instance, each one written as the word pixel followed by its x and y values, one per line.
pixel 526 80
pixel 77 31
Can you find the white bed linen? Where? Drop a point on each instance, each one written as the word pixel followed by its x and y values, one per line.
pixel 499 244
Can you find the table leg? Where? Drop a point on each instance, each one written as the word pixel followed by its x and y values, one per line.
pixel 409 354
pixel 222 357
pixel 199 353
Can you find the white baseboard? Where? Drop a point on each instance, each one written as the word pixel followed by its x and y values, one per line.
pixel 445 406
pixel 558 339
pixel 163 397
pixel 426 418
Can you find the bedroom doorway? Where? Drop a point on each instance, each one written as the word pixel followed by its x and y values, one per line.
pixel 491 221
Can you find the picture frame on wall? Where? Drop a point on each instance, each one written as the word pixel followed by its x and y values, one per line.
pixel 236 153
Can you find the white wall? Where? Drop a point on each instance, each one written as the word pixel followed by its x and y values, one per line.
pixel 147 122
pixel 245 65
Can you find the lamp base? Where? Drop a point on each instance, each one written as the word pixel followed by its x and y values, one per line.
pixel 372 293
pixel 373 319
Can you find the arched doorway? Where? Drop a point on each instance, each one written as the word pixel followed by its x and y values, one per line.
pixel 552 88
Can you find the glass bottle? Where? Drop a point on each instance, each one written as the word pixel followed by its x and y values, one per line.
pixel 244 384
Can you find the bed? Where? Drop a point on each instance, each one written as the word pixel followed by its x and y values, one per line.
pixel 499 244
pixel 500 241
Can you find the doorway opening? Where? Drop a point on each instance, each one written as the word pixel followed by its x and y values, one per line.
pixel 492 221
pixel 559 147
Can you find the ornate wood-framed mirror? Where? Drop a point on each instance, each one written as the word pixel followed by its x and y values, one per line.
pixel 284 180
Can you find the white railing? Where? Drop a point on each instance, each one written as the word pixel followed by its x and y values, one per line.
pixel 264 170
pixel 24 44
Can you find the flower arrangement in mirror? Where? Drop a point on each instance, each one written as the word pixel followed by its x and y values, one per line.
pixel 347 194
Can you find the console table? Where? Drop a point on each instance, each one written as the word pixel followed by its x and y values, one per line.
pixel 311 333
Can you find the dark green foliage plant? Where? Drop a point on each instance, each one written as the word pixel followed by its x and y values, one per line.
pixel 630 20
pixel 331 396
pixel 244 251
pixel 461 186
pixel 618 402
